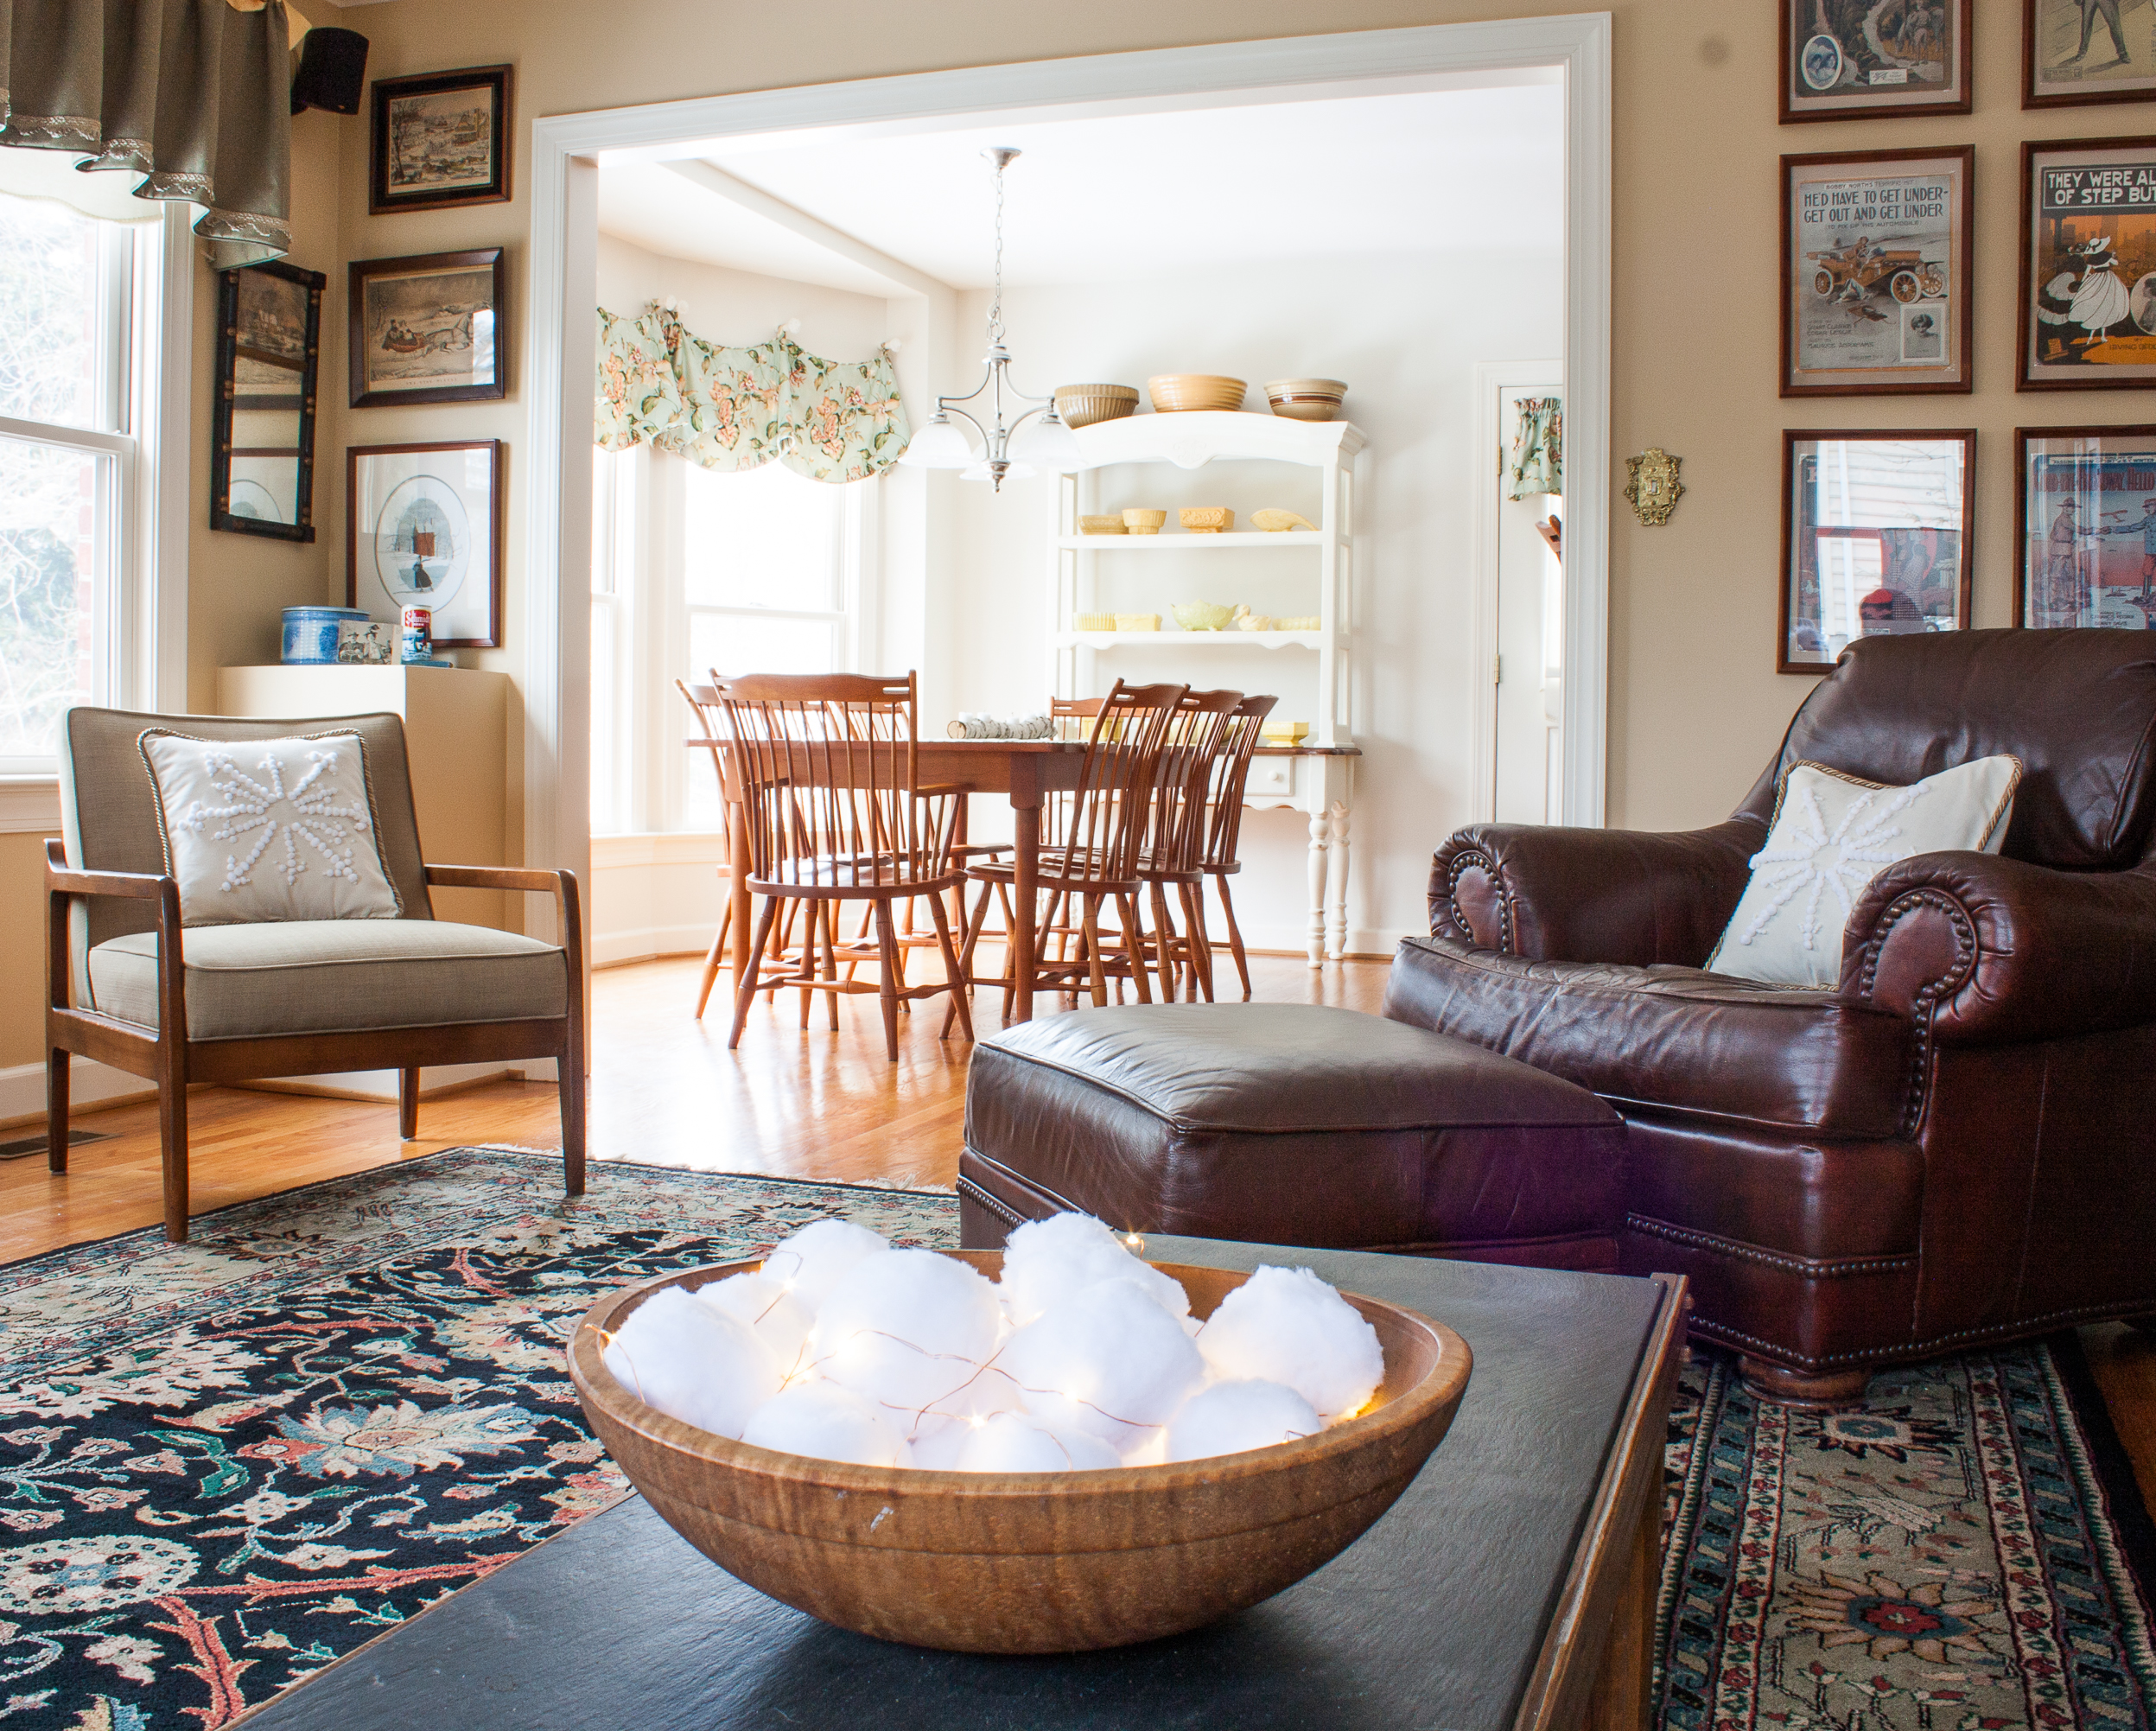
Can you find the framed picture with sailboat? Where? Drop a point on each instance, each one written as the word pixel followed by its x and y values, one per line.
pixel 427 329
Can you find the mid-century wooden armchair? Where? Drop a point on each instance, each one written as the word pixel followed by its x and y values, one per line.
pixel 130 988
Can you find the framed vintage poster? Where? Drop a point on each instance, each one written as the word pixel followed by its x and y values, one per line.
pixel 2087 264
pixel 1856 60
pixel 422 528
pixel 2084 527
pixel 426 329
pixel 1876 268
pixel 439 140
pixel 2077 52
pixel 1874 538
pixel 262 432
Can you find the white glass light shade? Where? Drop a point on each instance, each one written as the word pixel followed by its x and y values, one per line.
pixel 940 444
pixel 1051 444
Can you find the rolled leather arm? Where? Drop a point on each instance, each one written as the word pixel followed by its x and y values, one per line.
pixel 1993 950
pixel 1591 895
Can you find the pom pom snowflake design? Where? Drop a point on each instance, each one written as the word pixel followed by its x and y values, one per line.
pixel 303 814
pixel 1813 860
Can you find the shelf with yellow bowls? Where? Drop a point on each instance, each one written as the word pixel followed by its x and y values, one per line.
pixel 1180 540
pixel 1190 640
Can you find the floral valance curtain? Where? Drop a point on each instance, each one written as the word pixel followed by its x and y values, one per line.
pixel 1538 448
pixel 193 94
pixel 740 408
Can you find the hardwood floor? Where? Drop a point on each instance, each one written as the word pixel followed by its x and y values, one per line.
pixel 664 1090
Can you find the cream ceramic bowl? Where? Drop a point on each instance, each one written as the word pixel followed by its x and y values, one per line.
pixel 1179 393
pixel 1080 405
pixel 1306 399
pixel 1102 525
pixel 1202 615
pixel 1138 521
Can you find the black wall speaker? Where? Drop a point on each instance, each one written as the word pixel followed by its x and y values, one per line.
pixel 332 71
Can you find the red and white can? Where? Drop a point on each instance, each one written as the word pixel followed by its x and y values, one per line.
pixel 417 638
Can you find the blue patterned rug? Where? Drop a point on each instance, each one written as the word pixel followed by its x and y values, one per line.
pixel 226 1463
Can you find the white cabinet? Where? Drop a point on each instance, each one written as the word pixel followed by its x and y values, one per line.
pixel 1147 573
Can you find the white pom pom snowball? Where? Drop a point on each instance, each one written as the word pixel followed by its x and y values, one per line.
pixel 810 1262
pixel 781 1321
pixel 1229 1418
pixel 1108 1361
pixel 906 1329
pixel 692 1363
pixel 1284 1325
pixel 1046 1261
pixel 828 1421
pixel 1012 1443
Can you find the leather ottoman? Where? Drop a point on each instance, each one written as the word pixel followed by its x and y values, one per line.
pixel 1288 1124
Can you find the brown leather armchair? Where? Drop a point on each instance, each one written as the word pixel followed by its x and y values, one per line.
pixel 1953 1147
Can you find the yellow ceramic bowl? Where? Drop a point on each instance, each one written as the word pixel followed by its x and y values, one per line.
pixel 1179 393
pixel 1205 519
pixel 1102 526
pixel 1202 615
pixel 1140 522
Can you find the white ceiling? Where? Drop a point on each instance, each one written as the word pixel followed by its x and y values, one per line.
pixel 1477 172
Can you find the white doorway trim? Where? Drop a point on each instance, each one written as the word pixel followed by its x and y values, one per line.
pixel 565 149
pixel 1491 377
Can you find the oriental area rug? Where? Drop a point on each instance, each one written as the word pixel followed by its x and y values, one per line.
pixel 226 1463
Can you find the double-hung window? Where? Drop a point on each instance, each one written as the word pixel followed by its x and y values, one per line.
pixel 693 570
pixel 68 460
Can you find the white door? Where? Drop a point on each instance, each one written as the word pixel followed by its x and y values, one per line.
pixel 1531 638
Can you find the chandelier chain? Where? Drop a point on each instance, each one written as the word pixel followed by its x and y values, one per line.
pixel 995 310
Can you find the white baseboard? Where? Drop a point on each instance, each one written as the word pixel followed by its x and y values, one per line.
pixel 642 943
pixel 89 1085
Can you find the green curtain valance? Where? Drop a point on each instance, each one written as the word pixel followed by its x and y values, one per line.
pixel 1538 448
pixel 194 95
pixel 740 408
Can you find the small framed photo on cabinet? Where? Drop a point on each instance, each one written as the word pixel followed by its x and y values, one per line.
pixel 2087 264
pixel 1855 60
pixel 439 140
pixel 2084 527
pixel 1874 538
pixel 1876 266
pixel 2079 52
pixel 423 529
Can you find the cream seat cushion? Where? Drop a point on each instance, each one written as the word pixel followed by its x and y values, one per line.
pixel 334 976
pixel 1832 834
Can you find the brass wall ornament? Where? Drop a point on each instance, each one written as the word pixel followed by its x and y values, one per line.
pixel 1653 488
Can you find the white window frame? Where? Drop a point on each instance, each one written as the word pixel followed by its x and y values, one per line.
pixel 140 593
pixel 652 624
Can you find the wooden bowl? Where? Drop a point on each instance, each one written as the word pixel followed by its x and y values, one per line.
pixel 1080 405
pixel 1102 526
pixel 1138 521
pixel 1179 393
pixel 1306 399
pixel 1205 519
pixel 1030 1563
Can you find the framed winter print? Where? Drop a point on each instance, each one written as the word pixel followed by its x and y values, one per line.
pixel 439 140
pixel 1876 251
pixel 1856 60
pixel 1874 538
pixel 426 329
pixel 261 428
pixel 422 528
pixel 2084 527
pixel 2087 264
pixel 2077 52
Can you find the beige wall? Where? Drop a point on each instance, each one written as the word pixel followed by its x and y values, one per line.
pixel 1694 705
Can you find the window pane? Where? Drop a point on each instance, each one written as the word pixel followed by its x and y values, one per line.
pixel 762 537
pixel 742 643
pixel 48 520
pixel 50 313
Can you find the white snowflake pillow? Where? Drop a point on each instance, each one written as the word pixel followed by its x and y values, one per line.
pixel 1831 835
pixel 269 828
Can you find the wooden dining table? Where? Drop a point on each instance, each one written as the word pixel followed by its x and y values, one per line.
pixel 1025 770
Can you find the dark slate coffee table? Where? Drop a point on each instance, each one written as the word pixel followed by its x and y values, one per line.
pixel 1512 1585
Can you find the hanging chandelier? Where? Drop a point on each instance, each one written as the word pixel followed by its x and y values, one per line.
pixel 1012 448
